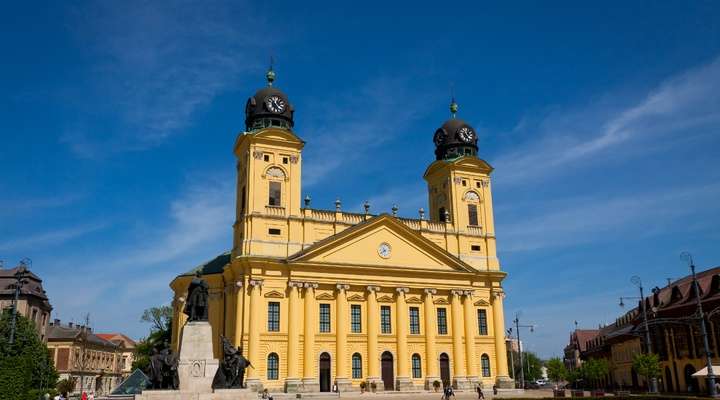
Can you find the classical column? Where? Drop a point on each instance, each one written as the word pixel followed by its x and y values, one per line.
pixel 373 358
pixel 501 364
pixel 310 381
pixel 459 378
pixel 403 382
pixel 470 333
pixel 253 381
pixel 341 331
pixel 239 306
pixel 292 381
pixel 431 357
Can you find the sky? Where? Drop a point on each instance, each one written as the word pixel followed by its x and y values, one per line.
pixel 602 122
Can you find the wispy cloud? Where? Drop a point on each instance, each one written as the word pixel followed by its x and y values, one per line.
pixel 160 65
pixel 49 238
pixel 683 105
pixel 29 205
pixel 574 221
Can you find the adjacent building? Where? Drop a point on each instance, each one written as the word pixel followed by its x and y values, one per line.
pixel 95 364
pixel 675 335
pixel 33 302
pixel 126 347
pixel 576 345
pixel 322 296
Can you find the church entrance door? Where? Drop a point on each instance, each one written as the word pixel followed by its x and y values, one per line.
pixel 324 372
pixel 388 376
pixel 445 369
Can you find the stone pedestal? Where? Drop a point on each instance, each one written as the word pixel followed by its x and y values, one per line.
pixel 253 384
pixel 310 385
pixel 293 385
pixel 403 384
pixel 505 382
pixel 473 382
pixel 462 383
pixel 197 365
pixel 344 385
pixel 430 380
pixel 378 382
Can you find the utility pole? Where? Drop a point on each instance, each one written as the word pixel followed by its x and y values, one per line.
pixel 512 361
pixel 517 332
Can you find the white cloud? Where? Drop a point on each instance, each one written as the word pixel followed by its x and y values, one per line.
pixel 681 106
pixel 56 237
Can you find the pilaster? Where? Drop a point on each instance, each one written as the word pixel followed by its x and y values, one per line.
pixel 431 358
pixel 501 365
pixel 310 381
pixel 470 328
pixel 372 335
pixel 459 376
pixel 293 381
pixel 253 381
pixel 403 382
pixel 342 378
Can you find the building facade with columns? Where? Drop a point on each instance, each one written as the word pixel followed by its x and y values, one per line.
pixel 322 297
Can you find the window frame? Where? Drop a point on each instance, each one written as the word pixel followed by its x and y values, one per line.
pixel 355 325
pixel 356 370
pixel 272 372
pixel 274 186
pixel 324 312
pixel 485 366
pixel 442 329
pixel 273 316
pixel 416 364
pixel 386 320
pixel 473 219
pixel 414 320
pixel 482 322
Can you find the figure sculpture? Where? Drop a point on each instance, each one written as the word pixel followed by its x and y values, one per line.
pixel 231 373
pixel 196 307
pixel 164 369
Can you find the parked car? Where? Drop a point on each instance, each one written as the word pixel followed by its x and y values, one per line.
pixel 541 381
pixel 531 385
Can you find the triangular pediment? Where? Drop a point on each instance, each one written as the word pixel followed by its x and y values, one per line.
pixel 274 294
pixel 481 302
pixel 440 301
pixel 385 299
pixel 325 296
pixel 413 300
pixel 382 241
pixel 356 297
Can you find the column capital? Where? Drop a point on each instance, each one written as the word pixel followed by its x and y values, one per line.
pixel 255 282
pixel 342 286
pixel 373 288
pixel 295 284
pixel 430 291
pixel 402 290
pixel 469 293
pixel 457 292
pixel 498 294
pixel 311 285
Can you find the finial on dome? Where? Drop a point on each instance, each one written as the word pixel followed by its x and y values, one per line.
pixel 270 75
pixel 453 104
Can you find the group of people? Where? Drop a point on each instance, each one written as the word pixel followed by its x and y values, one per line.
pixel 448 392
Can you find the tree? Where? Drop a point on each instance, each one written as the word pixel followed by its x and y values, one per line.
pixel 160 319
pixel 595 369
pixel 647 365
pixel 556 370
pixel 532 366
pixel 25 365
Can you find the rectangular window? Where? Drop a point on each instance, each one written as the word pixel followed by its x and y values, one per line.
pixel 273 231
pixel 442 321
pixel 475 247
pixel 274 194
pixel 472 215
pixel 414 321
pixel 324 318
pixel 266 158
pixel 273 316
pixel 285 160
pixel 441 215
pixel 355 318
pixel 482 322
pixel 385 321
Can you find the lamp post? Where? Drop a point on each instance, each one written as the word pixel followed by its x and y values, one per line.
pixel 20 280
pixel 635 280
pixel 517 332
pixel 703 330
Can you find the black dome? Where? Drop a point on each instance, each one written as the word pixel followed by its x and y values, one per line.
pixel 455 138
pixel 268 107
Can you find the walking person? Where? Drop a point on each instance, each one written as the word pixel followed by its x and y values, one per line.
pixel 481 395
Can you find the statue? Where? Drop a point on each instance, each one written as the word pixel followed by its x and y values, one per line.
pixel 164 369
pixel 232 368
pixel 196 307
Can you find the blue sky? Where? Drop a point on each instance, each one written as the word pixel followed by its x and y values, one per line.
pixel 602 122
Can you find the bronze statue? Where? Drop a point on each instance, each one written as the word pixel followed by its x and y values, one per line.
pixel 196 307
pixel 164 369
pixel 232 368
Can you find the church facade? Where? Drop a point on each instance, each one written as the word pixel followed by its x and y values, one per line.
pixel 323 297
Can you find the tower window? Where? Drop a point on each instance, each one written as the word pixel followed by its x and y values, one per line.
pixel 477 185
pixel 414 321
pixel 275 192
pixel 273 231
pixel 273 316
pixel 242 201
pixel 355 321
pixel 475 247
pixel 442 321
pixel 285 160
pixel 464 182
pixel 441 214
pixel 324 317
pixel 472 215
pixel 385 324
pixel 266 157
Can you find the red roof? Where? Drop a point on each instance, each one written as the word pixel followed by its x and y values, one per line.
pixel 117 337
pixel 582 336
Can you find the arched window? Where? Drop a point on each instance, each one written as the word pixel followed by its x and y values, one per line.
pixel 416 370
pixel 356 366
pixel 485 363
pixel 275 176
pixel 273 366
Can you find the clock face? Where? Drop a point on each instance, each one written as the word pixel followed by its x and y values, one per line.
pixel 275 104
pixel 439 137
pixel 384 250
pixel 466 134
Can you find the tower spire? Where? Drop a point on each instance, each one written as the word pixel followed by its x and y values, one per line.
pixel 270 75
pixel 453 104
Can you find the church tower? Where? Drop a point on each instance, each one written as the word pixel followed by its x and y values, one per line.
pixel 268 176
pixel 459 192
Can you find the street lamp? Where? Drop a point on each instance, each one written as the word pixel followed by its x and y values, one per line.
pixel 512 359
pixel 635 280
pixel 517 330
pixel 703 331
pixel 20 280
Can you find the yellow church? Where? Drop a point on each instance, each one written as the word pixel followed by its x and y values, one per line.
pixel 318 298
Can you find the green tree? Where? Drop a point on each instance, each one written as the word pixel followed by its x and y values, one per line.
pixel 532 366
pixel 160 319
pixel 25 365
pixel 556 370
pixel 647 365
pixel 595 369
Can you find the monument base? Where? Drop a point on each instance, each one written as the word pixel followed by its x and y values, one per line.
pixel 403 384
pixel 344 385
pixel 254 384
pixel 219 394
pixel 310 385
pixel 293 385
pixel 462 383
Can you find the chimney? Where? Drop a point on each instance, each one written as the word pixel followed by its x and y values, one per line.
pixel 70 324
